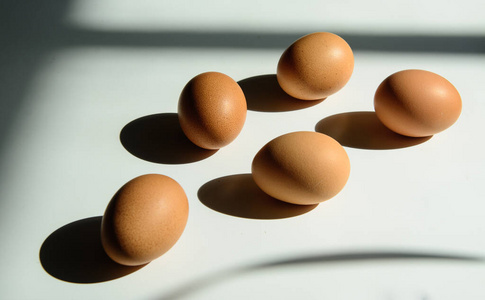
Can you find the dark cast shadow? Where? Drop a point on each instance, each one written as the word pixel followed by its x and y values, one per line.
pixel 159 138
pixel 263 93
pixel 363 130
pixel 34 31
pixel 239 196
pixel 74 253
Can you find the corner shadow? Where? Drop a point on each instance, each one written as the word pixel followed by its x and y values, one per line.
pixel 74 253
pixel 239 196
pixel 362 129
pixel 159 138
pixel 263 93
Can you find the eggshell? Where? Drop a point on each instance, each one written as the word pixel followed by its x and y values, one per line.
pixel 212 110
pixel 301 168
pixel 417 103
pixel 315 66
pixel 144 219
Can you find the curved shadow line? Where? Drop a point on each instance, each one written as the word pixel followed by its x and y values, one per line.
pixel 363 257
pixel 350 257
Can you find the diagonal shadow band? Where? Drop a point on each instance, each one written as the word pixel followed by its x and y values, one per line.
pixel 159 139
pixel 74 253
pixel 323 259
pixel 400 43
pixel 239 196
pixel 363 130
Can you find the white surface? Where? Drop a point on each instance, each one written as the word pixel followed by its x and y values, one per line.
pixel 62 161
pixel 350 15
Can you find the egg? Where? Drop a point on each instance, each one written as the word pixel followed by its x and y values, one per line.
pixel 301 168
pixel 315 66
pixel 144 219
pixel 212 110
pixel 417 103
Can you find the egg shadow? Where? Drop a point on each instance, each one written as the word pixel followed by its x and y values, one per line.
pixel 239 196
pixel 363 130
pixel 263 93
pixel 159 138
pixel 74 253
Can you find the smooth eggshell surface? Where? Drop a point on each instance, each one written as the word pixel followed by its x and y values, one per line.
pixel 144 219
pixel 417 103
pixel 315 66
pixel 212 110
pixel 301 168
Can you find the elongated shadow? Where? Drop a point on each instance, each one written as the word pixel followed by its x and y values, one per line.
pixel 159 138
pixel 366 257
pixel 239 196
pixel 263 93
pixel 363 130
pixel 74 253
pixel 232 39
pixel 323 259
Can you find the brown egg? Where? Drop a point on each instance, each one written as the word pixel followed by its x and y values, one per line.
pixel 212 110
pixel 301 168
pixel 315 66
pixel 417 103
pixel 144 219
